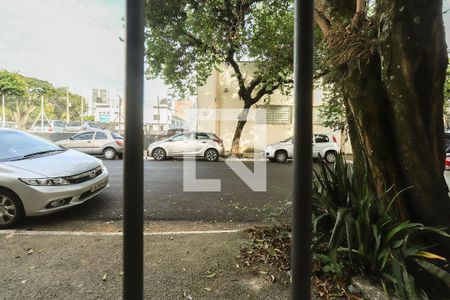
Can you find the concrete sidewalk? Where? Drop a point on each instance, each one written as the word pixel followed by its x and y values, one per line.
pixel 66 265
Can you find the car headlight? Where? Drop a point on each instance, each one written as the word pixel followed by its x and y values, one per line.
pixel 104 170
pixel 45 181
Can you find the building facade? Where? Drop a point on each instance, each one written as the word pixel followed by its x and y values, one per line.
pixel 106 109
pixel 220 95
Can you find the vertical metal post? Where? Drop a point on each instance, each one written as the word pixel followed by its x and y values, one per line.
pixel 82 109
pixel 120 113
pixel 133 240
pixel 67 106
pixel 302 193
pixel 3 111
pixel 42 113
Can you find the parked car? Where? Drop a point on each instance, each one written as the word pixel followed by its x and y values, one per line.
pixel 324 145
pixel 99 142
pixel 39 178
pixel 174 131
pixel 52 126
pixel 195 144
pixel 78 126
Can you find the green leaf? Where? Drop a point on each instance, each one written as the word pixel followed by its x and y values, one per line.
pixel 401 227
pixel 337 233
pixel 439 273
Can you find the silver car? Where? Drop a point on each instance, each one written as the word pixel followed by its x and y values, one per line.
pixel 78 126
pixel 195 144
pixel 100 142
pixel 53 126
pixel 39 178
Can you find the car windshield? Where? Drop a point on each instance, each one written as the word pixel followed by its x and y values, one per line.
pixel 18 145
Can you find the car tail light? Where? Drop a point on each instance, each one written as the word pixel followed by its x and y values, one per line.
pixel 334 139
pixel 119 142
pixel 50 129
pixel 447 163
pixel 218 140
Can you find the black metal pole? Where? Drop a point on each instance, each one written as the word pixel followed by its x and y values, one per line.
pixel 302 193
pixel 133 227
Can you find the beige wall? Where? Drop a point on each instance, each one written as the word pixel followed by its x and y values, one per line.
pixel 221 92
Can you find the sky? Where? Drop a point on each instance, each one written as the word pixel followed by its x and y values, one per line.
pixel 75 43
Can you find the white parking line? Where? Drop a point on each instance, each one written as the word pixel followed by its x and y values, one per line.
pixel 83 233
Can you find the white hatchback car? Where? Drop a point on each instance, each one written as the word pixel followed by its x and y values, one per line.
pixel 324 145
pixel 39 178
pixel 195 144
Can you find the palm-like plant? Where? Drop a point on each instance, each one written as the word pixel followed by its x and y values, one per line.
pixel 359 224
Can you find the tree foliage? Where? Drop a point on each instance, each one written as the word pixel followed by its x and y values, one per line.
pixel 187 39
pixel 23 98
pixel 387 60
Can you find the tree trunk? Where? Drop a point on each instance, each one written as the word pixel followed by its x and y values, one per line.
pixel 395 109
pixel 242 120
pixel 414 73
pixel 21 115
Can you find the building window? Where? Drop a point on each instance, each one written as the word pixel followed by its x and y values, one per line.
pixel 156 117
pixel 275 114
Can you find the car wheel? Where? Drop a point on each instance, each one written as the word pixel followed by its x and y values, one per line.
pixel 330 156
pixel 109 153
pixel 281 156
pixel 211 155
pixel 159 154
pixel 272 159
pixel 11 209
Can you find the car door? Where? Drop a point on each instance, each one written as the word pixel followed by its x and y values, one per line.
pixel 202 141
pixel 290 148
pixel 100 139
pixel 175 145
pixel 83 142
pixel 189 145
pixel 320 142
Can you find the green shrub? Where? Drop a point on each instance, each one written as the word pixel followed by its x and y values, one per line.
pixel 356 222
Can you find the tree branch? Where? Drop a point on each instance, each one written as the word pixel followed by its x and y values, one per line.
pixel 360 6
pixel 322 22
pixel 360 13
pixel 243 91
pixel 269 90
pixel 254 83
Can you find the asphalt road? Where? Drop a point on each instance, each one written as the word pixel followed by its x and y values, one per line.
pixel 165 199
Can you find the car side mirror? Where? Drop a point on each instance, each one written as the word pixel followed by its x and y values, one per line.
pixel 71 138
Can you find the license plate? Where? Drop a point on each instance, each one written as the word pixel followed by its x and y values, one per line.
pixel 98 186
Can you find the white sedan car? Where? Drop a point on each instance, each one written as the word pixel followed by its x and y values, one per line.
pixel 323 145
pixel 194 144
pixel 38 178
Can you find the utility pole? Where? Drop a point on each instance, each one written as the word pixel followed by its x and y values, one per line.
pixel 120 113
pixel 3 111
pixel 82 109
pixel 42 113
pixel 67 106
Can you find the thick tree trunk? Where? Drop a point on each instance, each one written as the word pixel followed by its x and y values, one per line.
pixel 242 120
pixel 395 109
pixel 413 72
pixel 21 115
